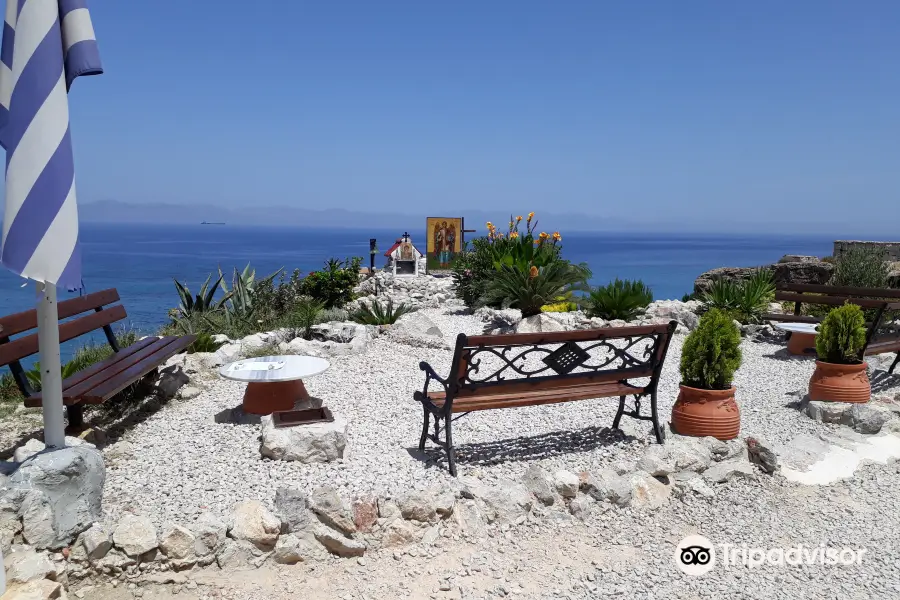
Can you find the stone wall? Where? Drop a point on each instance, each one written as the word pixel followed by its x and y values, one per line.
pixel 892 248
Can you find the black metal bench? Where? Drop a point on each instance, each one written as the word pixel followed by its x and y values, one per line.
pixel 529 369
pixel 101 381
pixel 878 301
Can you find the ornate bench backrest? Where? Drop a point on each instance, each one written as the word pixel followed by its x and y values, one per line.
pixel 542 360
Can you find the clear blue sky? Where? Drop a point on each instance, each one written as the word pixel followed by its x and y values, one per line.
pixel 689 111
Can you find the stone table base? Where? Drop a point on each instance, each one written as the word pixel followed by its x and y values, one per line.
pixel 274 396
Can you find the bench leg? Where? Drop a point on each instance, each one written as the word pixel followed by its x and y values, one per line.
pixel 451 451
pixel 657 430
pixel 894 364
pixel 619 412
pixel 75 415
pixel 425 427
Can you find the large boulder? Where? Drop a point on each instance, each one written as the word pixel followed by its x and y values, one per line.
pixel 816 272
pixel 416 329
pixel 313 443
pixel 331 510
pixel 292 508
pixel 685 313
pixel 64 488
pixel 704 281
pixel 23 564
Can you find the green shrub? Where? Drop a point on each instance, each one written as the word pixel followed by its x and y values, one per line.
pixel 472 270
pixel 375 313
pixel 619 300
pixel 204 343
pixel 333 285
pixel 861 266
pixel 842 336
pixel 712 352
pixel 746 301
pixel 305 314
pixel 202 302
pixel 529 290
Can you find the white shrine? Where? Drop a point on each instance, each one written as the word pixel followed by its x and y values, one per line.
pixel 403 257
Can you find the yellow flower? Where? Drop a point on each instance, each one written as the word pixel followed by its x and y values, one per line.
pixel 556 236
pixel 544 235
pixel 490 225
pixel 533 272
pixel 519 218
pixel 514 235
pixel 530 216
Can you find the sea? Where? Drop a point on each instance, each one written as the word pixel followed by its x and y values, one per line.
pixel 142 261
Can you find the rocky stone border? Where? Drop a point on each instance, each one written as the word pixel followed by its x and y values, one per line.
pixel 303 527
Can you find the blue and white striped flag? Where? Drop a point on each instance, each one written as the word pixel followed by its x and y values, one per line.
pixel 46 45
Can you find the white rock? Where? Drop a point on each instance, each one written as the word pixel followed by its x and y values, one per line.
pixel 538 324
pixel 338 543
pixel 314 443
pixel 416 329
pixel 24 565
pixel 96 541
pixel 252 522
pixel 567 483
pixel 177 542
pixel 29 449
pixel 135 535
pixel 209 532
pixel 189 392
pixel 71 481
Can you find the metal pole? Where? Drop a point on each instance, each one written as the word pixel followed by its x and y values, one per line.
pixel 51 373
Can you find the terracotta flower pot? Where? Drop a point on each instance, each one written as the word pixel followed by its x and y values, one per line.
pixel 706 412
pixel 832 382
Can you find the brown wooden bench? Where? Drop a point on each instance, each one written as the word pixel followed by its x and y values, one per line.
pixel 528 369
pixel 879 301
pixel 100 381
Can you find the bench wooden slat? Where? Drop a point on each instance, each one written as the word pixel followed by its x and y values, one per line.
pixel 559 337
pixel 507 399
pixel 137 370
pixel 27 345
pixel 27 320
pixel 882 346
pixel 525 386
pixel 833 300
pixel 788 318
pixel 832 290
pixel 97 373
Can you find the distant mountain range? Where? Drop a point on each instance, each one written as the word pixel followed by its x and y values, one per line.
pixel 112 211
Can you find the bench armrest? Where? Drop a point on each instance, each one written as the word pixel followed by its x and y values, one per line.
pixel 430 374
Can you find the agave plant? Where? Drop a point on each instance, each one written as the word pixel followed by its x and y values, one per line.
pixel 203 302
pixel 376 314
pixel 530 289
pixel 247 278
pixel 747 300
pixel 619 300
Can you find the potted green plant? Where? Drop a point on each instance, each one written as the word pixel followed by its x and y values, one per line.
pixel 709 359
pixel 840 374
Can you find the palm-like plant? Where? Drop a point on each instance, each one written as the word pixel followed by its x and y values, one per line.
pixel 306 314
pixel 747 300
pixel 202 302
pixel 619 300
pixel 529 289
pixel 376 314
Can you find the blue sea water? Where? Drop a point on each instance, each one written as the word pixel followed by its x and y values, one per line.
pixel 142 260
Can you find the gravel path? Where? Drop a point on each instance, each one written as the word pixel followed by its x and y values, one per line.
pixel 617 553
pixel 183 462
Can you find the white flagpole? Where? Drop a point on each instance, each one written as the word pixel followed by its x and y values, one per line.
pixel 51 372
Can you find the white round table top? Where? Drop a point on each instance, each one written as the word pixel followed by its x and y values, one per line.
pixel 799 327
pixel 274 368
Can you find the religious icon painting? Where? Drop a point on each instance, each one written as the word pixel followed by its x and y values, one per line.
pixel 445 240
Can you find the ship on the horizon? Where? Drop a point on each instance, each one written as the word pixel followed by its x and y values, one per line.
pixel 212 223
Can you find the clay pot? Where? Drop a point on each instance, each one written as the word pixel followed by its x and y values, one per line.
pixel 706 412
pixel 832 382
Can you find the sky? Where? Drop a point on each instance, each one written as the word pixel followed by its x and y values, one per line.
pixel 708 113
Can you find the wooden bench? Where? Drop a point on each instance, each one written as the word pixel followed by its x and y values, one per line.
pixel 879 301
pixel 529 369
pixel 101 381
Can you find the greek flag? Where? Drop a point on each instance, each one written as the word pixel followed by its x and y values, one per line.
pixel 46 45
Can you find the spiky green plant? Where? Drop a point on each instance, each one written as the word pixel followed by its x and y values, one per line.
pixel 306 313
pixel 619 300
pixel 842 336
pixel 746 300
pixel 247 278
pixel 203 302
pixel 513 286
pixel 375 313
pixel 204 343
pixel 712 352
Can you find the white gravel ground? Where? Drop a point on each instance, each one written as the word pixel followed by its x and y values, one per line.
pixel 183 462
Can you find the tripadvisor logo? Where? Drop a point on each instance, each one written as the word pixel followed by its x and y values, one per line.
pixel 697 555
